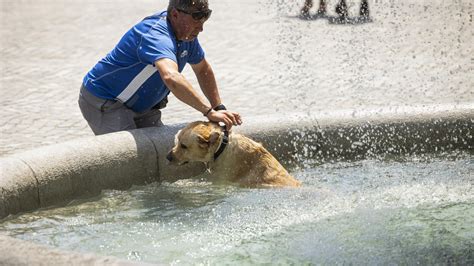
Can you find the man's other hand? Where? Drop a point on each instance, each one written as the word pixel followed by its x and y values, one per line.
pixel 227 117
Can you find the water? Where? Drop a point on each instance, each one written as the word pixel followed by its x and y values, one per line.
pixel 397 211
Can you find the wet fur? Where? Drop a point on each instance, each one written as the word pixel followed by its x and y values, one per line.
pixel 243 161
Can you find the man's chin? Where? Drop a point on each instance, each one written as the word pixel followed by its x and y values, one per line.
pixel 190 38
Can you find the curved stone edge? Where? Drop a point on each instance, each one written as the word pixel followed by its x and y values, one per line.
pixel 59 173
pixel 358 134
pixel 18 187
pixel 163 141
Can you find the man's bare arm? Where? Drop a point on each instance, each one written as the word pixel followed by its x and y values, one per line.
pixel 183 90
pixel 207 82
pixel 179 86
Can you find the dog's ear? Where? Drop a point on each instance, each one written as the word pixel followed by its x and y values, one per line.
pixel 203 142
pixel 214 137
pixel 206 143
pixel 176 137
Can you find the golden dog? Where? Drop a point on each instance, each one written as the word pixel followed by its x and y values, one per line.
pixel 232 157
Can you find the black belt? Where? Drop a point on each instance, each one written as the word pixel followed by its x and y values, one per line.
pixel 162 104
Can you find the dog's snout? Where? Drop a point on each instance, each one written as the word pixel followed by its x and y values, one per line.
pixel 170 157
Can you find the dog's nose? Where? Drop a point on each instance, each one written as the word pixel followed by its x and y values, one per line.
pixel 169 157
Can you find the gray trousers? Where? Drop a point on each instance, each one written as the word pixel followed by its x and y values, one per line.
pixel 107 116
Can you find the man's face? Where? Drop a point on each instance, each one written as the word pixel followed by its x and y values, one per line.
pixel 189 23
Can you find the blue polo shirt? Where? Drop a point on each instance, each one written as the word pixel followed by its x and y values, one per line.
pixel 128 74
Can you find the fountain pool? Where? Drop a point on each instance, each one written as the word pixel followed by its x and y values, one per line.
pixel 399 210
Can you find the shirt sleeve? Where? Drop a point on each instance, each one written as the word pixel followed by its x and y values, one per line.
pixel 155 45
pixel 197 53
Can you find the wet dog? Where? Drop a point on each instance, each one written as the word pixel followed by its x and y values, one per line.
pixel 229 156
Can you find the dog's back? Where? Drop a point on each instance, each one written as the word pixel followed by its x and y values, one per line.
pixel 252 165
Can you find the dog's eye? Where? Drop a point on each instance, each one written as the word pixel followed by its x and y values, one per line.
pixel 183 146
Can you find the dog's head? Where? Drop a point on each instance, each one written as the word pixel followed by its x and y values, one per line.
pixel 196 142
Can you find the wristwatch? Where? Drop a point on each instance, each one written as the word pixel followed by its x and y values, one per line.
pixel 220 107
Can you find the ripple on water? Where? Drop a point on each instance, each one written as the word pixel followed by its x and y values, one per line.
pixel 379 212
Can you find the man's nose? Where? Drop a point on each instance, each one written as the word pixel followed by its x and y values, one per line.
pixel 170 157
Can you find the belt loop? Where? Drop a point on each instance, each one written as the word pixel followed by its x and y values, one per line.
pixel 102 107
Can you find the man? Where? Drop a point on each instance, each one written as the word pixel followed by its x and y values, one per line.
pixel 126 89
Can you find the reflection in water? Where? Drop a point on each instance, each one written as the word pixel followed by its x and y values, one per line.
pixel 415 210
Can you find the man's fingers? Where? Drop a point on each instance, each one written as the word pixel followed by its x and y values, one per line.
pixel 228 118
pixel 228 123
pixel 238 118
pixel 235 117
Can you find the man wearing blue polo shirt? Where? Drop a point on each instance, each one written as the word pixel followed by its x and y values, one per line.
pixel 126 89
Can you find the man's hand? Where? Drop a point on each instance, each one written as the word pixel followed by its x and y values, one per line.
pixel 227 117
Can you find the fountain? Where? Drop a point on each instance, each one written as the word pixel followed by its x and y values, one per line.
pixel 72 171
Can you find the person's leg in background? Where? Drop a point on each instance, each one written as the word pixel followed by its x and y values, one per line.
pixel 308 4
pixel 322 8
pixel 341 10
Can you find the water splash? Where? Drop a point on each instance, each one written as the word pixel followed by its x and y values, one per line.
pixel 392 211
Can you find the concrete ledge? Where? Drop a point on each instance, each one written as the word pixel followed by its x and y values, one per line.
pixel 57 174
pixel 18 187
pixel 357 134
pixel 163 140
pixel 81 168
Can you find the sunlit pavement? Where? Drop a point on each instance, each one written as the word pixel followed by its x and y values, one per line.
pixel 267 60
